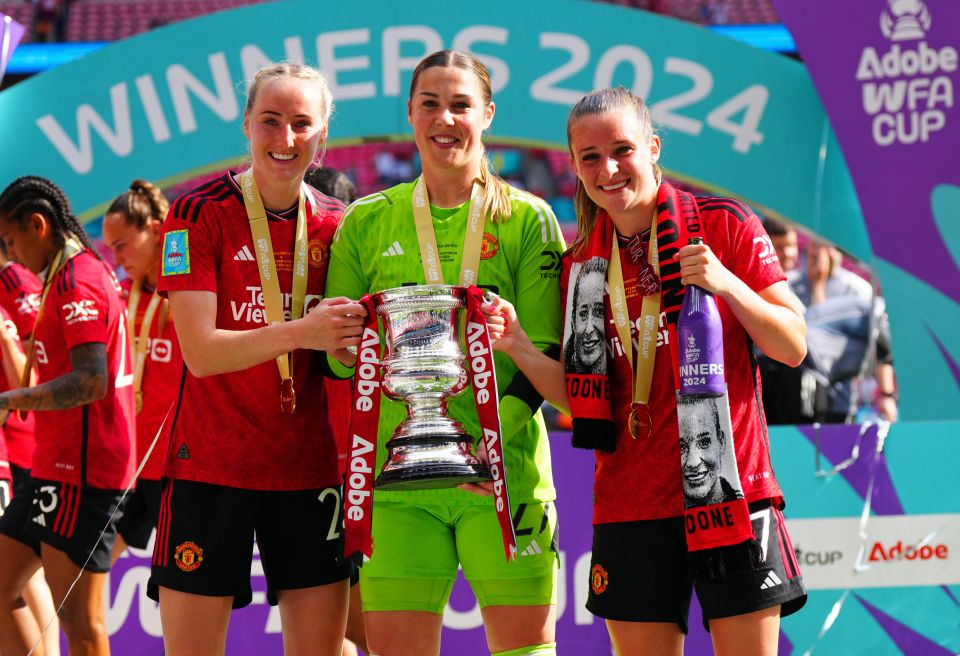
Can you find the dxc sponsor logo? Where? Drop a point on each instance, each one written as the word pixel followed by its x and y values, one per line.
pixel 28 303
pixel 77 311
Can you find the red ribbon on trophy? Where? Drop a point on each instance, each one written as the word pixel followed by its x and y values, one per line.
pixel 483 379
pixel 362 449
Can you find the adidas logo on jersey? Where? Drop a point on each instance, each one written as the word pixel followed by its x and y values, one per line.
pixel 244 255
pixel 395 249
pixel 771 581
pixel 182 452
pixel 533 550
pixel 39 519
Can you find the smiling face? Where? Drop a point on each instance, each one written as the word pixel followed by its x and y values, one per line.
pixel 448 114
pixel 614 161
pixel 285 127
pixel 137 250
pixel 701 450
pixel 588 319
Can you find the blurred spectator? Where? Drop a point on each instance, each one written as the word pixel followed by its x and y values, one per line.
pixel 392 170
pixel 847 337
pixel 331 182
pixel 47 19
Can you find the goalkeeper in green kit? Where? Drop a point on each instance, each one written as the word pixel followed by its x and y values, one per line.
pixel 422 536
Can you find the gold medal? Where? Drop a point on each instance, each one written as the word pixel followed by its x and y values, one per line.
pixel 139 401
pixel 639 421
pixel 288 397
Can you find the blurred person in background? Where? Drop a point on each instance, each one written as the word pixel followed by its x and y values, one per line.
pixel 131 228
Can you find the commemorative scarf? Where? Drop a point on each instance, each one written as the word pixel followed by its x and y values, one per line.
pixel 718 530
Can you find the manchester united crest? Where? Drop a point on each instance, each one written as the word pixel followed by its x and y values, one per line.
pixel 188 556
pixel 317 252
pixel 489 246
pixel 598 579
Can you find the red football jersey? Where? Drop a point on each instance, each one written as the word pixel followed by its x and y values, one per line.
pixel 17 433
pixel 161 380
pixel 228 429
pixel 20 291
pixel 94 443
pixel 642 478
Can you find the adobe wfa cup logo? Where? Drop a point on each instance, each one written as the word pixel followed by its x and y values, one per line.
pixel 906 86
pixel 905 20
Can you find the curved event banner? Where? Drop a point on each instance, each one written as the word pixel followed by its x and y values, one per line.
pixel 167 105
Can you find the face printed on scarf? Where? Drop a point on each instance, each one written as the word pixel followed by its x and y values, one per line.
pixel 701 452
pixel 588 321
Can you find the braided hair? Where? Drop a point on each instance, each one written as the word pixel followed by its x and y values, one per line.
pixel 31 193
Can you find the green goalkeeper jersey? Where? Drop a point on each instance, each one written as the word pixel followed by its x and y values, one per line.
pixel 376 248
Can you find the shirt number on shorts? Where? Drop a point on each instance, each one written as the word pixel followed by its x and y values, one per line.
pixel 333 532
pixel 4 495
pixel 764 537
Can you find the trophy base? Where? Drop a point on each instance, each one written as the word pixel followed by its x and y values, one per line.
pixel 431 477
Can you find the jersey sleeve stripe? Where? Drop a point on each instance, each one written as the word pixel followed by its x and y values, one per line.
pixel 735 207
pixel 549 228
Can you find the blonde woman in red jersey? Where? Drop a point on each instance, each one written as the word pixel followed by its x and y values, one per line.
pixel 131 228
pixel 251 454
pixel 84 424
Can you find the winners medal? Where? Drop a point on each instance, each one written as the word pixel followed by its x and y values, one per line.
pixel 639 420
pixel 288 397
pixel 269 284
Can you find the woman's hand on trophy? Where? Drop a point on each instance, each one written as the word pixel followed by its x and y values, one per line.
pixel 506 333
pixel 333 324
pixel 484 489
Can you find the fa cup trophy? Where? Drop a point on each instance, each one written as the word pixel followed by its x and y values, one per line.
pixel 424 366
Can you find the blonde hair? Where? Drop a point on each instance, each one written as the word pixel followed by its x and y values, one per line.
pixel 140 204
pixel 280 70
pixel 603 101
pixel 496 205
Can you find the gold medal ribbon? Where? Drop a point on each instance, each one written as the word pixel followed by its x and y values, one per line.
pixel 267 267
pixel 427 236
pixel 642 364
pixel 142 339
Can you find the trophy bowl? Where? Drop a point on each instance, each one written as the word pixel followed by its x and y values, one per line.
pixel 424 366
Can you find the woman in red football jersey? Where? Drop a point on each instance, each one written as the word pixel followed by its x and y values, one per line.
pixel 84 424
pixel 244 262
pixel 131 228
pixel 659 462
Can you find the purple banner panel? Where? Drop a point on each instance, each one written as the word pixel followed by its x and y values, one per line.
pixel 11 32
pixel 888 73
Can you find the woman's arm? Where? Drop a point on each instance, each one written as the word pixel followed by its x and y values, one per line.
pixel 773 317
pixel 543 372
pixel 87 382
pixel 334 323
pixel 14 359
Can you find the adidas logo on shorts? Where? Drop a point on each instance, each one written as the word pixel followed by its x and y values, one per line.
pixel 771 581
pixel 244 255
pixel 395 249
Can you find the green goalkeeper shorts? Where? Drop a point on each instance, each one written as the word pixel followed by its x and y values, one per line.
pixel 418 549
